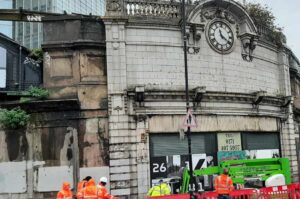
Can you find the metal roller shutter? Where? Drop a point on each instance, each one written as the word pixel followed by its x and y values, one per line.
pixel 170 144
pixel 257 141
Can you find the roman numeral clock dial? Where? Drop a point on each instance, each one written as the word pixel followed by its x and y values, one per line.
pixel 220 37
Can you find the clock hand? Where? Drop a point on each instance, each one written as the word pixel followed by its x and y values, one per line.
pixel 222 36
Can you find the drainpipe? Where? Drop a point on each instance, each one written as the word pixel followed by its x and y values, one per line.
pixel 20 67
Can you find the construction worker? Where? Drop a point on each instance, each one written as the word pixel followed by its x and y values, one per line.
pixel 65 192
pixel 82 184
pixel 224 185
pixel 102 189
pixel 160 189
pixel 90 191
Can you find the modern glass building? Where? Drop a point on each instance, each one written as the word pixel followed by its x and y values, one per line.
pixel 6 26
pixel 30 34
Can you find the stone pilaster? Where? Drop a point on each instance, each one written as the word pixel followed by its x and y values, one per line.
pixel 122 136
pixel 142 157
pixel 287 134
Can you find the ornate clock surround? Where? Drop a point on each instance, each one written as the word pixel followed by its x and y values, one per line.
pixel 220 36
pixel 229 12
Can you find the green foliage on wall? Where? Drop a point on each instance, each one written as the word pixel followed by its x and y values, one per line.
pixel 263 16
pixel 36 54
pixel 34 93
pixel 37 92
pixel 14 118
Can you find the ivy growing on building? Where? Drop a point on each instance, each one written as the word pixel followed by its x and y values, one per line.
pixel 34 92
pixel 37 54
pixel 263 16
pixel 37 92
pixel 14 118
pixel 35 58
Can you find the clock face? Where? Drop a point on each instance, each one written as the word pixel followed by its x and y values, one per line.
pixel 220 36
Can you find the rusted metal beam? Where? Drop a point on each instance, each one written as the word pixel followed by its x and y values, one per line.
pixel 24 15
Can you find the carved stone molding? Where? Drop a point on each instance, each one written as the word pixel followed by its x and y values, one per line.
pixel 249 42
pixel 207 15
pixel 208 96
pixel 140 117
pixel 194 34
pixel 113 5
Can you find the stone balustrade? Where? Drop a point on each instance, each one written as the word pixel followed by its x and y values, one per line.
pixel 169 9
pixel 263 31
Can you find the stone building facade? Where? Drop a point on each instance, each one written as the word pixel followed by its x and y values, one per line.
pixel 67 136
pixel 117 104
pixel 239 83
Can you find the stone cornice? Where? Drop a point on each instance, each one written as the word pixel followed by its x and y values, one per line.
pixel 50 46
pixel 212 103
pixel 163 96
pixel 153 21
pixel 119 19
pixel 45 105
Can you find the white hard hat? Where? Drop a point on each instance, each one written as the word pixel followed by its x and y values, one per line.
pixel 103 179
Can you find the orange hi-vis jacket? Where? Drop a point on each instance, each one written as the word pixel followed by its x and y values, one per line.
pixel 65 192
pixel 80 186
pixel 90 191
pixel 104 194
pixel 223 184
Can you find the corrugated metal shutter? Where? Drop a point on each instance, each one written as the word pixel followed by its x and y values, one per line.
pixel 256 141
pixel 170 144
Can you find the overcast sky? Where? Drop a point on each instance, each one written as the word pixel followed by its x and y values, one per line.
pixel 6 26
pixel 288 16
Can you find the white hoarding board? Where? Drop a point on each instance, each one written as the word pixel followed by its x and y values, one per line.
pixel 261 154
pixel 96 173
pixel 13 177
pixel 51 178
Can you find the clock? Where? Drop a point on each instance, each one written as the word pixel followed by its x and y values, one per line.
pixel 220 36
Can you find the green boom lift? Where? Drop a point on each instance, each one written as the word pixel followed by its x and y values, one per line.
pixel 243 170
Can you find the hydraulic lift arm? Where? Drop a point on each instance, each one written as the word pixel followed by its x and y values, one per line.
pixel 243 170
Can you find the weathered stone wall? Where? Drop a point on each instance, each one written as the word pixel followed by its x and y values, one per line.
pixel 59 144
pixel 146 82
pixel 67 138
pixel 75 60
pixel 154 58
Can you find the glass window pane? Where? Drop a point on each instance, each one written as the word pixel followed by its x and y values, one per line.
pixel 35 5
pixel 2 78
pixel 3 58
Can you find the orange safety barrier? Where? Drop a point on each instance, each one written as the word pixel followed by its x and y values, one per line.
pixel 245 194
pixel 209 195
pixel 281 192
pixel 237 194
pixel 178 196
pixel 297 192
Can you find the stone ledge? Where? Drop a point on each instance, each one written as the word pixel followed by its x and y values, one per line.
pixel 120 177
pixel 123 162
